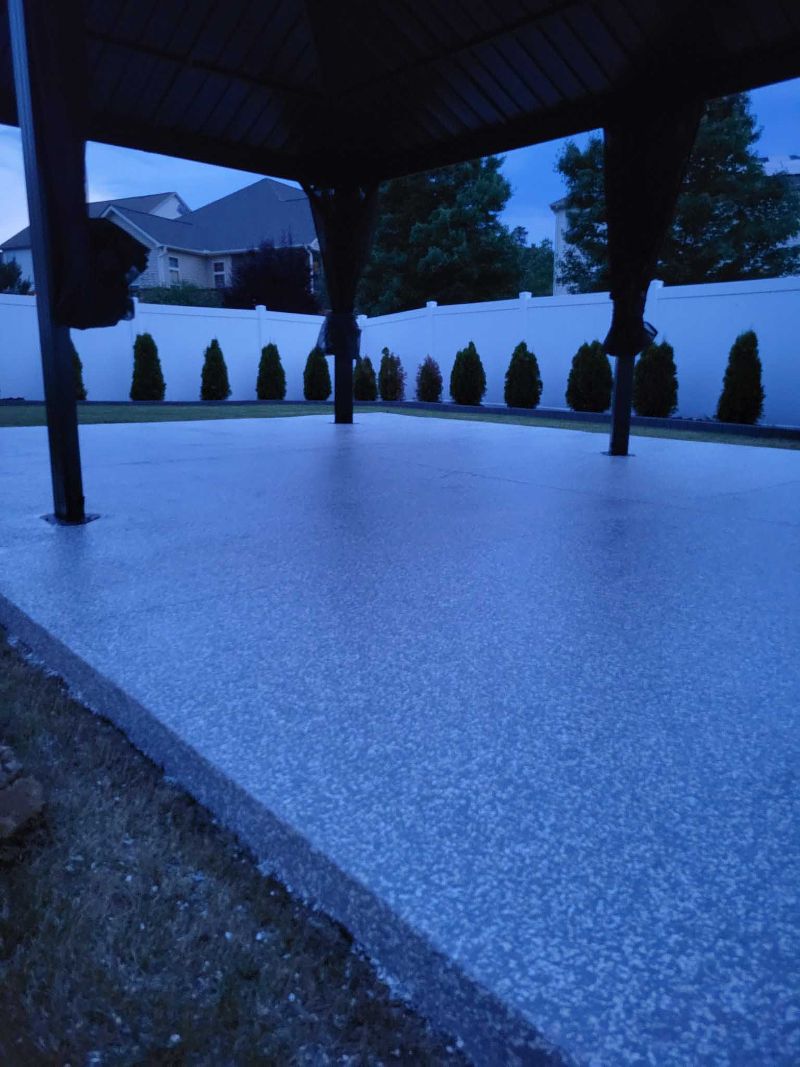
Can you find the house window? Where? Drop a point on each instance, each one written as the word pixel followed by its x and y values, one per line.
pixel 174 271
pixel 219 274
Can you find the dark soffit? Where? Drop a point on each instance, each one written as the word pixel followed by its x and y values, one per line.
pixel 323 91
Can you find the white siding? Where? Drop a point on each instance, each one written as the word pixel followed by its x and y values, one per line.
pixel 170 208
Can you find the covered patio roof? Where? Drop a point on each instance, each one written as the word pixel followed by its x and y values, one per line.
pixel 329 92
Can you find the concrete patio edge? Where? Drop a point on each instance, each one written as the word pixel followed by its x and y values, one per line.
pixel 414 969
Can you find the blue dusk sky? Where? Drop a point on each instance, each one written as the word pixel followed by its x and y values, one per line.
pixel 118 172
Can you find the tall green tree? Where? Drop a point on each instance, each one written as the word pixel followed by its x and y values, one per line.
pixel 732 219
pixel 11 280
pixel 278 278
pixel 439 237
pixel 537 268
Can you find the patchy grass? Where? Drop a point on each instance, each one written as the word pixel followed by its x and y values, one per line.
pixel 135 930
pixel 89 414
pixel 34 415
pixel 599 427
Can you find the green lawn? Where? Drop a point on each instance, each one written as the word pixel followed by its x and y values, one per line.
pixel 34 415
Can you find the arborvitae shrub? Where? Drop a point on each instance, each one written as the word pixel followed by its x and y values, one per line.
pixel 429 381
pixel 316 376
pixel 590 380
pixel 523 387
pixel 271 381
pixel 655 382
pixel 148 381
pixel 742 398
pixel 77 367
pixel 467 378
pixel 214 381
pixel 391 377
pixel 365 386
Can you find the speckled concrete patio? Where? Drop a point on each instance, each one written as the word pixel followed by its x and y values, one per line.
pixel 523 716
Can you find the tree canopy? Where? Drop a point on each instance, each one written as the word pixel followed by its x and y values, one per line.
pixel 732 219
pixel 278 278
pixel 439 237
pixel 11 280
pixel 537 268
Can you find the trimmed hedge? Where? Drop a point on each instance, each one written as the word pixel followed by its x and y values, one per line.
pixel 655 382
pixel 214 383
pixel 468 378
pixel 271 381
pixel 523 387
pixel 316 376
pixel 77 368
pixel 148 381
pixel 429 381
pixel 742 397
pixel 391 377
pixel 365 387
pixel 590 380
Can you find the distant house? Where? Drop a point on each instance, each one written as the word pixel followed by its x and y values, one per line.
pixel 772 165
pixel 202 246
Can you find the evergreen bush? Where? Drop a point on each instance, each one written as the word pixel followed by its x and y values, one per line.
pixel 77 367
pixel 214 380
pixel 429 381
pixel 655 382
pixel 271 381
pixel 523 388
pixel 590 380
pixel 742 397
pixel 316 376
pixel 468 378
pixel 391 377
pixel 148 381
pixel 365 387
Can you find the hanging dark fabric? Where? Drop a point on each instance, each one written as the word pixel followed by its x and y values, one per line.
pixel 647 146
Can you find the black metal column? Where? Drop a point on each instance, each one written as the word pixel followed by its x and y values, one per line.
pixel 38 32
pixel 646 148
pixel 344 216
pixel 621 406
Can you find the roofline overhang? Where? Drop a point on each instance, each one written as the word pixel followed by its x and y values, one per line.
pixel 229 251
pixel 148 237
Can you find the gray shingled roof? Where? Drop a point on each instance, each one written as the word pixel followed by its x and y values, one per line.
pixel 96 208
pixel 266 210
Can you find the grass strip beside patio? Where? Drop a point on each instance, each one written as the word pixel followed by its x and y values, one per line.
pixel 33 414
pixel 134 929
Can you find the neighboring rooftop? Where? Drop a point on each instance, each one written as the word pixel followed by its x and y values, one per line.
pixel 265 210
pixel 782 165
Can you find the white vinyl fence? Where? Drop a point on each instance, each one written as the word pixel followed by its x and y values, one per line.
pixel 701 322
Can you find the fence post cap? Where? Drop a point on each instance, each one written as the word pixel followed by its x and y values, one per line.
pixel 432 304
pixel 525 295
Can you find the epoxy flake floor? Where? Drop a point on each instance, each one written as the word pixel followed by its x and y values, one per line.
pixel 522 715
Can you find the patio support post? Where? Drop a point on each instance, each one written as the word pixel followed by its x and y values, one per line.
pixel 49 68
pixel 344 216
pixel 647 146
